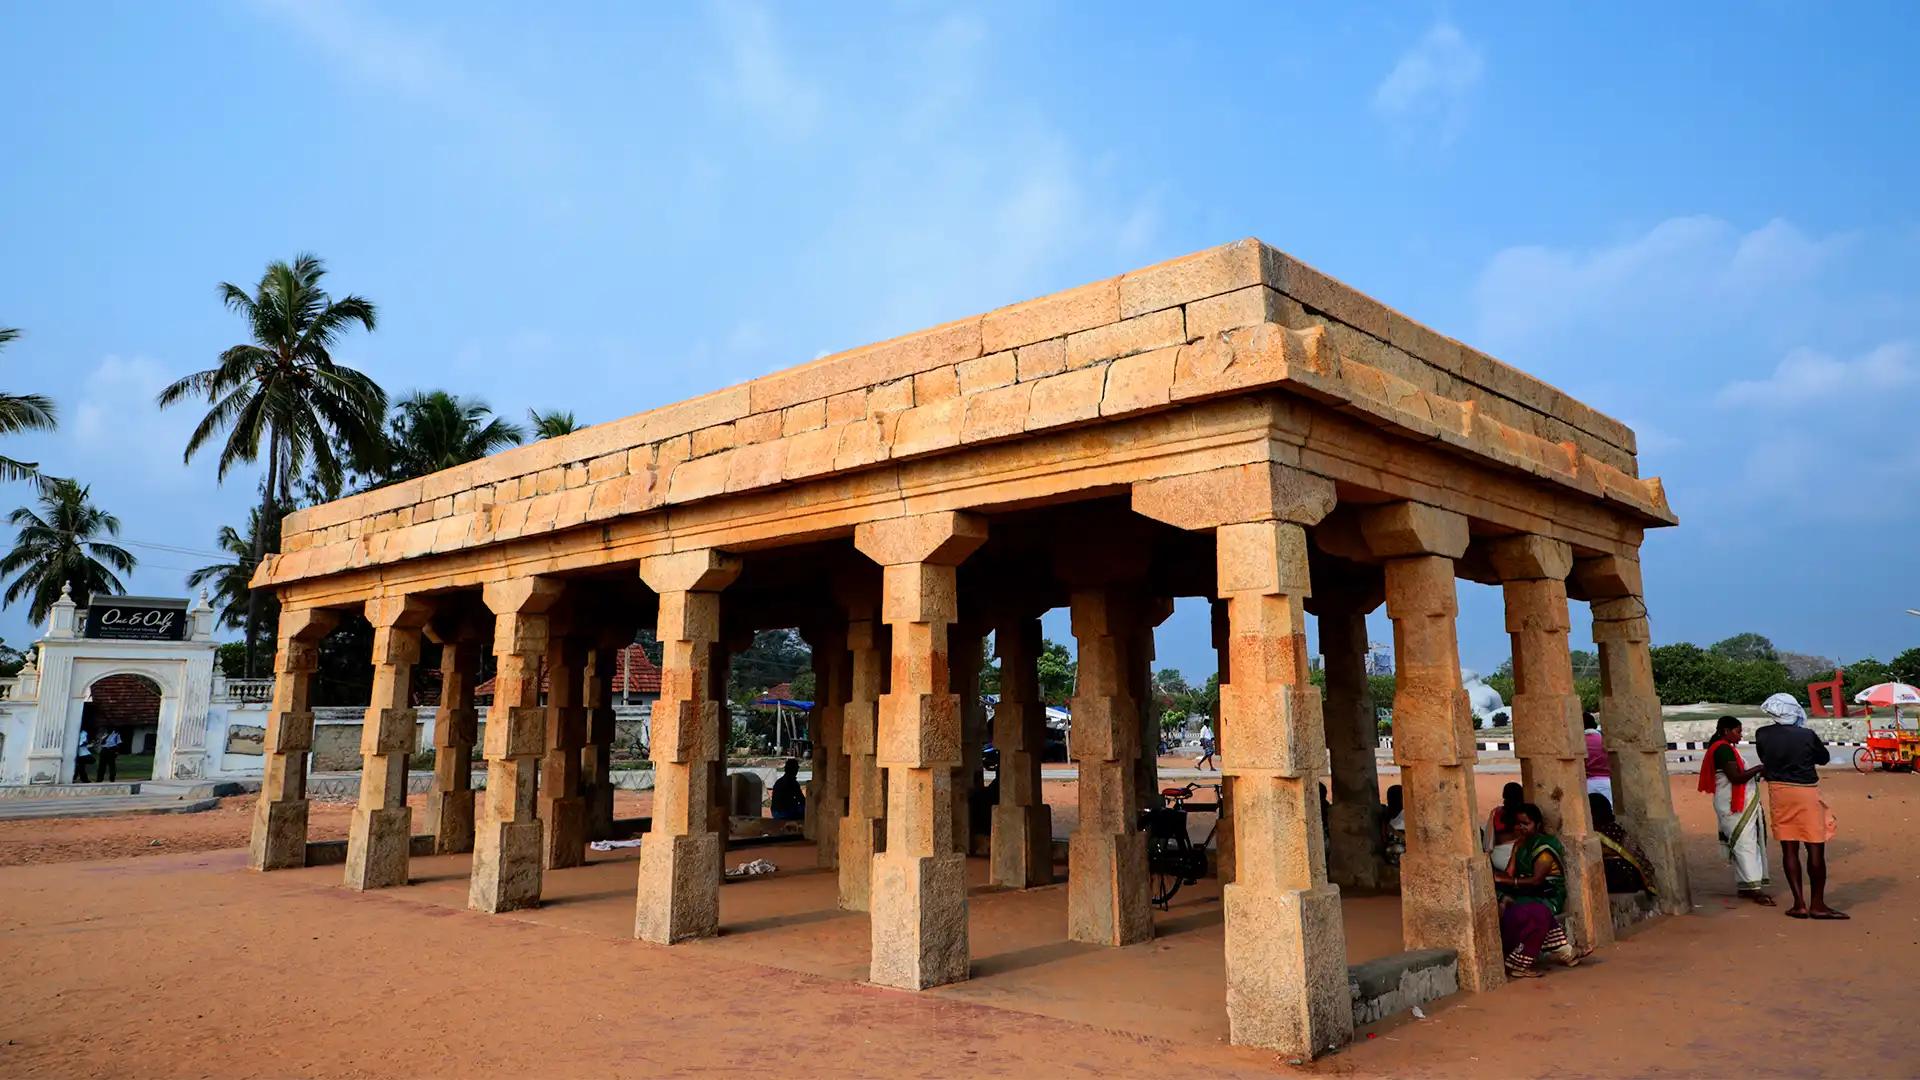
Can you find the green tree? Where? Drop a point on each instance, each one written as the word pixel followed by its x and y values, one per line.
pixel 1863 673
pixel 11 660
pixel 552 423
pixel 434 430
pixel 61 545
pixel 1906 667
pixel 1748 646
pixel 283 389
pixel 230 591
pixel 22 412
pixel 1057 672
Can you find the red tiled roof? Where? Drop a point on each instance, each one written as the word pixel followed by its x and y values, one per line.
pixel 633 673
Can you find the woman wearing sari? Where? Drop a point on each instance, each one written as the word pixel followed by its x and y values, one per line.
pixel 1736 806
pixel 1533 892
pixel 1498 838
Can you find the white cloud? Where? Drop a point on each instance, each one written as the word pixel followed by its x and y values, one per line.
pixel 1805 375
pixel 1680 272
pixel 116 425
pixel 1431 85
pixel 760 77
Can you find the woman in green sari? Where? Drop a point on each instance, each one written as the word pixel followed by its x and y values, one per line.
pixel 1533 892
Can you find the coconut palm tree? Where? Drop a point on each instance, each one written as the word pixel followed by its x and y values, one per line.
pixel 552 423
pixel 283 389
pixel 58 546
pixel 229 579
pixel 433 430
pixel 22 412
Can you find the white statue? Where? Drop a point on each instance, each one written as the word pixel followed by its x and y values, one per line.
pixel 1484 700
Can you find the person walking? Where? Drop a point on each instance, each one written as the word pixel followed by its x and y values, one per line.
pixel 83 759
pixel 109 757
pixel 1206 747
pixel 1790 757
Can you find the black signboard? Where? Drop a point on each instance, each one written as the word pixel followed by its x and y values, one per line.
pixel 137 618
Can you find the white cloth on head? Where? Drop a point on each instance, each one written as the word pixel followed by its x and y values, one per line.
pixel 1784 709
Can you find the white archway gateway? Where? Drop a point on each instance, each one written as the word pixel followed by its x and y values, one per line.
pixel 161 639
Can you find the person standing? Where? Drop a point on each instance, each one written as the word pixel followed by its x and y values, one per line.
pixel 109 756
pixel 1724 774
pixel 1206 747
pixel 1790 757
pixel 1599 766
pixel 83 759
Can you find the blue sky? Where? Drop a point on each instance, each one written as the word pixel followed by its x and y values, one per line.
pixel 1697 218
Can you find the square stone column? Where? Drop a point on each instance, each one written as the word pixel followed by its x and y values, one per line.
pixel 679 891
pixel 279 839
pixel 969 648
pixel 1021 847
pixel 1446 883
pixel 380 835
pixel 1108 896
pixel 507 841
pixel 563 803
pixel 455 729
pixel 862 828
pixel 827 801
pixel 1546 720
pixel 1354 859
pixel 1631 724
pixel 1286 940
pixel 596 758
pixel 1152 611
pixel 918 902
pixel 1223 671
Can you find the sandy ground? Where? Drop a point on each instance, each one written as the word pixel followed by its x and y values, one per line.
pixel 183 963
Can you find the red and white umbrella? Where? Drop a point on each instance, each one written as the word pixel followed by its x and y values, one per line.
pixel 1887 695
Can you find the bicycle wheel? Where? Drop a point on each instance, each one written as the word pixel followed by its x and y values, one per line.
pixel 1863 759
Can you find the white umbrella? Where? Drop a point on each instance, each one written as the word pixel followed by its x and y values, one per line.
pixel 1888 694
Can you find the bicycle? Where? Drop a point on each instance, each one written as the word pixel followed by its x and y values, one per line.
pixel 1173 859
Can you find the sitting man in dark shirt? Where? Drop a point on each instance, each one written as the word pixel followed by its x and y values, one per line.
pixel 788 802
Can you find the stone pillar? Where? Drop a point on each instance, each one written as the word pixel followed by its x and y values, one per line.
pixel 455 728
pixel 1286 941
pixel 1108 897
pixel 969 647
pixel 680 862
pixel 1630 722
pixel 1223 668
pixel 380 835
pixel 596 758
pixel 1355 859
pixel 1153 611
pixel 562 801
pixel 862 828
pixel 827 802
pixel 1446 883
pixel 507 842
pixel 919 892
pixel 279 839
pixel 1021 847
pixel 1546 719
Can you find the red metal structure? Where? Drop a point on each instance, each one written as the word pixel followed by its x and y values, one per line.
pixel 1819 705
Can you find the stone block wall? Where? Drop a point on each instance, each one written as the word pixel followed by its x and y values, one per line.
pixel 1233 319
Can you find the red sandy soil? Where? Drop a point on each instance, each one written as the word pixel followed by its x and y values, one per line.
pixel 185 963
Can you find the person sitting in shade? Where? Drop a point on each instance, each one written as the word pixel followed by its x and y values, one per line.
pixel 788 802
pixel 1533 893
pixel 1393 825
pixel 1625 865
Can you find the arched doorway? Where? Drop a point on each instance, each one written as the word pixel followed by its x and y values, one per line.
pixel 123 709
